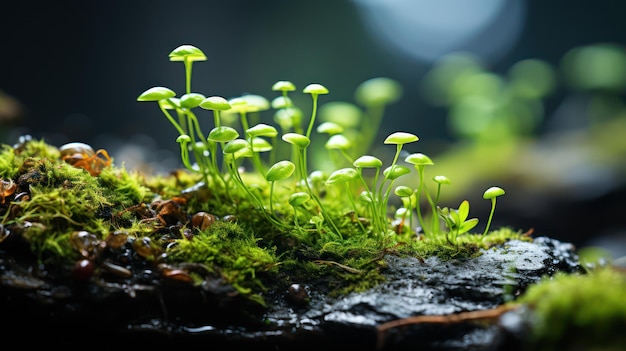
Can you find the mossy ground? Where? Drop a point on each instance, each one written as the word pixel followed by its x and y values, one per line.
pixel 579 311
pixel 54 200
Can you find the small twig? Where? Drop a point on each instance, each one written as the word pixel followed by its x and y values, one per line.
pixel 482 315
pixel 342 266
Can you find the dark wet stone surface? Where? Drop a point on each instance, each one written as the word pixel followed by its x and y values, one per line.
pixel 175 314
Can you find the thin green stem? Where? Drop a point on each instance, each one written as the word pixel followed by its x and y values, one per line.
pixel 313 114
pixel 172 120
pixel 493 209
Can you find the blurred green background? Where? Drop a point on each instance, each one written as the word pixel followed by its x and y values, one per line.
pixel 526 95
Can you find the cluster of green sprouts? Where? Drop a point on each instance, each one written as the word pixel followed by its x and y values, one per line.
pixel 315 198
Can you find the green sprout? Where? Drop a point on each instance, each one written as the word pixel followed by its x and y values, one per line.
pixel 296 200
pixel 491 194
pixel 315 90
pixel 188 54
pixel 440 180
pixel 279 171
pixel 364 162
pixel 302 142
pixel 456 220
pixel 349 140
pixel 409 200
pixel 421 161
pixel 184 140
pixel 161 95
pixel 346 176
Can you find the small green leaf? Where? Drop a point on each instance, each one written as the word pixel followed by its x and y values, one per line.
pixel 283 85
pixel 280 170
pixel 261 145
pixel 262 129
pixel 403 191
pixel 281 102
pixel 315 89
pixel 367 161
pixel 466 226
pixel 338 142
pixel 191 100
pixel 366 196
pixel 299 198
pixel 419 159
pixel 190 52
pixel 401 138
pixel 463 210
pixel 156 94
pixel 493 192
pixel 299 140
pixel 217 103
pixel 236 145
pixel 441 179
pixel 330 128
pixel 183 139
pixel 341 176
pixel 223 134
pixel 396 171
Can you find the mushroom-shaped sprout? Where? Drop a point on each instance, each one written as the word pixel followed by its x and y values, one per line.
pixel 187 52
pixel 283 85
pixel 330 128
pixel 236 145
pixel 262 130
pixel 156 94
pixel 338 142
pixel 288 117
pixel 378 91
pixel 491 194
pixel 366 196
pixel 184 140
pixel 367 161
pixel 261 145
pixel 341 176
pixel 396 171
pixel 223 134
pixel 281 102
pixel 400 138
pixel 403 191
pixel 315 89
pixel 299 198
pixel 318 177
pixel 216 103
pixel 191 100
pixel 419 159
pixel 255 103
pixel 441 179
pixel 299 140
pixel 280 170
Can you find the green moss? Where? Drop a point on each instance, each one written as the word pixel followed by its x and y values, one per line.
pixel 583 312
pixel 229 250
pixel 245 251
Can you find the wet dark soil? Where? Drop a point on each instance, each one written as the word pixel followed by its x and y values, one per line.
pixel 51 307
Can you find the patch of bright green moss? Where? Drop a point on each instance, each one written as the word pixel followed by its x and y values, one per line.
pixel 582 312
pixel 244 253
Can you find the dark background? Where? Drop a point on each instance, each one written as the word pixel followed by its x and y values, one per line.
pixel 75 68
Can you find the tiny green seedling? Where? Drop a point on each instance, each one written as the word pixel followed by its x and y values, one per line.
pixel 491 194
pixel 361 180
pixel 457 221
